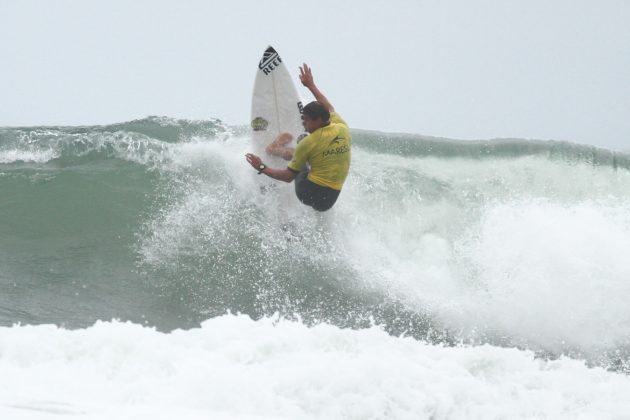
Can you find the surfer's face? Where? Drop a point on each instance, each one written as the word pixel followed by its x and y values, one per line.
pixel 311 124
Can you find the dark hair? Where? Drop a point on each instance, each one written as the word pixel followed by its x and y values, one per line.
pixel 315 110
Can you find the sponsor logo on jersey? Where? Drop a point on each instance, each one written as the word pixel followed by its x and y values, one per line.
pixel 336 151
pixel 336 148
pixel 269 61
pixel 259 124
pixel 336 140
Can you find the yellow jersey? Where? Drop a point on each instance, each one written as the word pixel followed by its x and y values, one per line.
pixel 327 151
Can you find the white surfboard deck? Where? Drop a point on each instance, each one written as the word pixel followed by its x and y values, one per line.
pixel 276 105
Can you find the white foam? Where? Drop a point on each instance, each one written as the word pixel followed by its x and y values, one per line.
pixel 233 367
pixel 500 248
pixel 535 258
pixel 35 156
pixel 552 275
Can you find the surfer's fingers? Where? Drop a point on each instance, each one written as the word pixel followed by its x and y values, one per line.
pixel 253 159
pixel 305 74
pixel 305 69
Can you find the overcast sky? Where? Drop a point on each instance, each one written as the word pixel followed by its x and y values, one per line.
pixel 546 69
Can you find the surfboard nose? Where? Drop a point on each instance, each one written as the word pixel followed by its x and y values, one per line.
pixel 269 56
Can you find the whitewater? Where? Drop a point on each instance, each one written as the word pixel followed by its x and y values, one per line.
pixel 147 272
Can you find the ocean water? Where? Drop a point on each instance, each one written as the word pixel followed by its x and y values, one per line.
pixel 147 272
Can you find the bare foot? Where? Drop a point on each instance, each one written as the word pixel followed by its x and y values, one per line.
pixel 276 147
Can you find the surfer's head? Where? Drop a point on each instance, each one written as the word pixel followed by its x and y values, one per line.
pixel 315 115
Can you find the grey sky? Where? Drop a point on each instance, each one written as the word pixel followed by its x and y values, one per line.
pixel 554 69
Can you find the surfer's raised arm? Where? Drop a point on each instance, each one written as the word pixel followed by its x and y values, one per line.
pixel 306 77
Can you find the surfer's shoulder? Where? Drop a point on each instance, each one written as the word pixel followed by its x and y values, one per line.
pixel 335 118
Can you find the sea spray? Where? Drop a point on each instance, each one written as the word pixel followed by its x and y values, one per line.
pixel 160 221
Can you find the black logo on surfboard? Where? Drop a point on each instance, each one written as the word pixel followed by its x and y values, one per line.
pixel 269 61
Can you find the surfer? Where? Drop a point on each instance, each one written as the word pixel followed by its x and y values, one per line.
pixel 320 162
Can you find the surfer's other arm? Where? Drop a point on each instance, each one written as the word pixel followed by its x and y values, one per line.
pixel 286 175
pixel 306 77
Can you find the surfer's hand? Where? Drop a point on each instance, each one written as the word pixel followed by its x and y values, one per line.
pixel 306 76
pixel 253 160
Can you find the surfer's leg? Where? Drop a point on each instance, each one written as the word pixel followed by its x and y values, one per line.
pixel 313 195
pixel 278 147
pixel 302 190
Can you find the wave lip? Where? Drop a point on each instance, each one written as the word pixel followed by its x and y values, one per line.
pixel 143 141
pixel 27 156
pixel 233 366
pixel 424 146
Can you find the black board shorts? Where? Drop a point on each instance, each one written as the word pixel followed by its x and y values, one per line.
pixel 312 194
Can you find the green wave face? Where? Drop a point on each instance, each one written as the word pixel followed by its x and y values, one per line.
pixel 161 221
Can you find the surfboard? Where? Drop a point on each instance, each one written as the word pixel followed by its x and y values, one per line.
pixel 276 104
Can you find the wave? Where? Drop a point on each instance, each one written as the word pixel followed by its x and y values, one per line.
pixel 138 134
pixel 142 141
pixel 511 242
pixel 424 146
